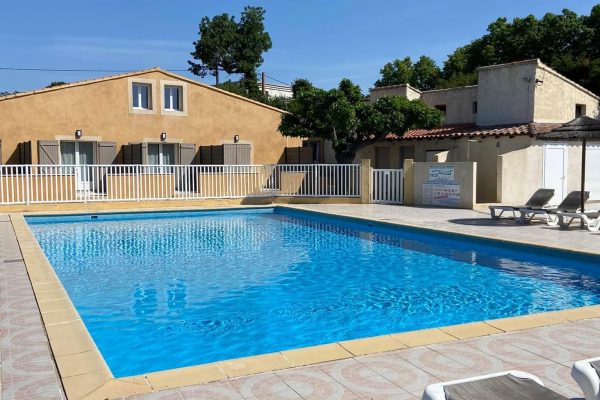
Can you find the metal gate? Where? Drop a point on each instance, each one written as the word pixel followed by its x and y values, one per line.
pixel 387 186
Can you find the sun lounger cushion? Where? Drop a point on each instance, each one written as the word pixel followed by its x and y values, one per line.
pixel 596 365
pixel 505 387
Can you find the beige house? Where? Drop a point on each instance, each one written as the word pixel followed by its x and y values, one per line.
pixel 495 124
pixel 148 117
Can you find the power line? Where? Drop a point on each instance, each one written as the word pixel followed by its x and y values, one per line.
pixel 277 80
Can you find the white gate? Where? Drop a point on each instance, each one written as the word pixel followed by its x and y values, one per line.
pixel 387 186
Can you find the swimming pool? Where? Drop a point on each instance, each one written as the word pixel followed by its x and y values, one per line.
pixel 166 290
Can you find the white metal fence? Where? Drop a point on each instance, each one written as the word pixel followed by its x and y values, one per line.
pixel 30 184
pixel 387 186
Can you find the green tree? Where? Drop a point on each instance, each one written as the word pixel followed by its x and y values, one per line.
pixel 56 83
pixel 233 47
pixel 397 72
pixel 341 116
pixel 426 74
pixel 216 47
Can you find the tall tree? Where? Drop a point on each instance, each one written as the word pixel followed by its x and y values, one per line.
pixel 341 116
pixel 234 47
pixel 397 72
pixel 216 47
pixel 56 83
pixel 426 74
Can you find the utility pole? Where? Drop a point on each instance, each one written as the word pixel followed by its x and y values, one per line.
pixel 263 81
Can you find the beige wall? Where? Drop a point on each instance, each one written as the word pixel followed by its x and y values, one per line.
pixel 396 90
pixel 102 109
pixel 556 97
pixel 458 102
pixel 505 93
pixel 484 152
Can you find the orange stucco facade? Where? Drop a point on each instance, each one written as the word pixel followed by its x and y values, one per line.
pixel 102 110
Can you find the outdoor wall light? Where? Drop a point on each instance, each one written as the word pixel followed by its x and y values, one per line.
pixel 236 138
pixel 78 134
pixel 163 136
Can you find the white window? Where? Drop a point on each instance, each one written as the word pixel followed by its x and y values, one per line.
pixel 142 96
pixel 173 97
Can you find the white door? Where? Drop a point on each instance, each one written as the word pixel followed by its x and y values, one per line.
pixel 592 171
pixel 78 154
pixel 555 170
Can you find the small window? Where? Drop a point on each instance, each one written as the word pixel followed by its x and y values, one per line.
pixel 142 97
pixel 173 96
pixel 579 110
pixel 441 107
pixel 474 107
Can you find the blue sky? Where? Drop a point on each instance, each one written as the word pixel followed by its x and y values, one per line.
pixel 323 41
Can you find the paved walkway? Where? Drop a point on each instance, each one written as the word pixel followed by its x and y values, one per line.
pixel 28 371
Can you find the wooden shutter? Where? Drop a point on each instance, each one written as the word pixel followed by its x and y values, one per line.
pixel 243 154
pixel 205 154
pixel 0 152
pixel 229 154
pixel 306 155
pixel 187 153
pixel 127 154
pixel 139 153
pixel 106 152
pixel 48 152
pixel 25 152
pixel 217 155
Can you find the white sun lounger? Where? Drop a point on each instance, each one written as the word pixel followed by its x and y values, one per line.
pixel 570 204
pixel 507 385
pixel 565 219
pixel 586 374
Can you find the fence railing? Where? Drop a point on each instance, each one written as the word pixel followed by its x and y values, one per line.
pixel 30 184
pixel 387 186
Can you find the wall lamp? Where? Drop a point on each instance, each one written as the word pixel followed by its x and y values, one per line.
pixel 78 134
pixel 236 138
pixel 163 136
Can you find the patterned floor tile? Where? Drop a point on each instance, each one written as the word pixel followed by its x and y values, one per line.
pixel 211 391
pixel 259 385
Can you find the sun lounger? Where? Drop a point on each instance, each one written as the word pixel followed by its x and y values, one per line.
pixel 508 385
pixel 587 375
pixel 589 218
pixel 539 199
pixel 570 204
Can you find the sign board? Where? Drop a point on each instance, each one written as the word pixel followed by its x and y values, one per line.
pixel 441 194
pixel 441 173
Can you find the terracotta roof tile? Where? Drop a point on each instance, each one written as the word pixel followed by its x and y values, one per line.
pixel 471 130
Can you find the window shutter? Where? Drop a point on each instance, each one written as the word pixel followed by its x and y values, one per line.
pixel 0 152
pixel 305 155
pixel 127 154
pixel 187 153
pixel 106 152
pixel 243 154
pixel 217 155
pixel 139 153
pixel 48 152
pixel 229 154
pixel 25 152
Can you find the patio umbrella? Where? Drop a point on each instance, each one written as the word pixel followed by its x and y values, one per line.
pixel 580 129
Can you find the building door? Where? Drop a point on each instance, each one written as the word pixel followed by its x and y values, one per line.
pixel 592 171
pixel 78 154
pixel 555 170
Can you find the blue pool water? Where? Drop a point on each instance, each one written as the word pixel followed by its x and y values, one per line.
pixel 166 290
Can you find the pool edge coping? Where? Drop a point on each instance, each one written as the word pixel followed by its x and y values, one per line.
pixel 63 324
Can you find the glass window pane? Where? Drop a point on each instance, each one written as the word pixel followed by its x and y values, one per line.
pixel 167 98
pixel 86 153
pixel 144 93
pixel 153 154
pixel 175 96
pixel 168 154
pixel 67 153
pixel 135 95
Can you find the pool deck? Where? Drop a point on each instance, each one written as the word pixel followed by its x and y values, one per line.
pixel 386 367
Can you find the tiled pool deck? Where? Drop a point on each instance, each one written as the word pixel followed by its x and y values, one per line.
pixel 400 368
